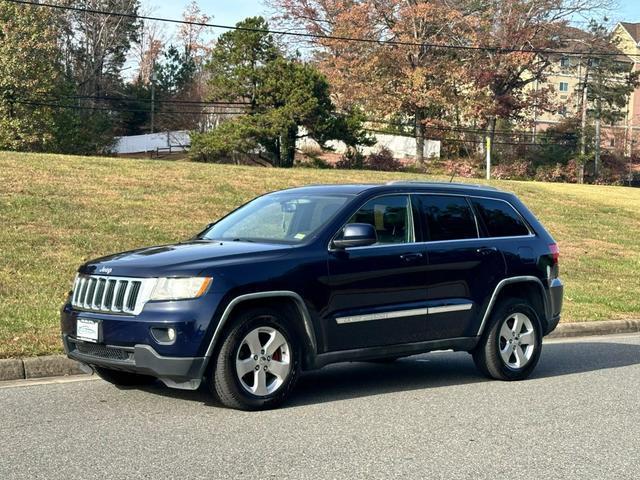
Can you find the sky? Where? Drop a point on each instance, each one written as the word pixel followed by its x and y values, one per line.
pixel 224 12
pixel 230 12
pixel 227 12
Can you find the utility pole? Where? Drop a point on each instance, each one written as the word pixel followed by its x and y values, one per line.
pixel 153 97
pixel 488 148
pixel 583 125
pixel 596 164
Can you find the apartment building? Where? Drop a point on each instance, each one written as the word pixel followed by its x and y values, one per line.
pixel 567 74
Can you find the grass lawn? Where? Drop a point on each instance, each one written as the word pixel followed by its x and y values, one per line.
pixel 58 211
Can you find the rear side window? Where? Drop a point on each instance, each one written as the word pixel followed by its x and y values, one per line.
pixel 499 218
pixel 446 218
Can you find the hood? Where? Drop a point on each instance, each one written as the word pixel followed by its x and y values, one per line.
pixel 188 258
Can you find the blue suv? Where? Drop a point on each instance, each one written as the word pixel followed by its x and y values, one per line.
pixel 301 278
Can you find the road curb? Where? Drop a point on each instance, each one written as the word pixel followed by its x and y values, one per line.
pixel 38 367
pixel 583 329
pixel 60 365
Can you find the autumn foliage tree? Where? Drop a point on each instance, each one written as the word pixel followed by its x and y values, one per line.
pixel 406 77
pixel 426 59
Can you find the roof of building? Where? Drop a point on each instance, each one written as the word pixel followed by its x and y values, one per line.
pixel 633 29
pixel 576 40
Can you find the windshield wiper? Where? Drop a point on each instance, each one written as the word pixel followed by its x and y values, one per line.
pixel 242 240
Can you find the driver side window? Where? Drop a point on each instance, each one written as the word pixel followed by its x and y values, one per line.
pixel 390 216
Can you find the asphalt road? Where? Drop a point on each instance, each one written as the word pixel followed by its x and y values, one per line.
pixel 429 416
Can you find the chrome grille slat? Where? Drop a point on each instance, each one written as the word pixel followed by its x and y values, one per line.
pixel 121 295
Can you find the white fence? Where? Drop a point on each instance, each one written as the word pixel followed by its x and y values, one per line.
pixel 400 146
pixel 176 141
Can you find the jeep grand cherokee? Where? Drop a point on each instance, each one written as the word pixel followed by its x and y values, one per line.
pixel 301 278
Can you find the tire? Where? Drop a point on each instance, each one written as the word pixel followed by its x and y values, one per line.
pixel 262 345
pixel 123 379
pixel 512 343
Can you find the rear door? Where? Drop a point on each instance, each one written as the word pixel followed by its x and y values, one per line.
pixel 378 293
pixel 463 269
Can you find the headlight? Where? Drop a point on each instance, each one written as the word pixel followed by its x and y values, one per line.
pixel 180 288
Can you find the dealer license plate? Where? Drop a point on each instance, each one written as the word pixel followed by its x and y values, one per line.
pixel 87 330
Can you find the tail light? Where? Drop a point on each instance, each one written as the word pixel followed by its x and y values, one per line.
pixel 555 252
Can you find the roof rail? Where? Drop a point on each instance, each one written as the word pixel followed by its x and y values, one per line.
pixel 440 184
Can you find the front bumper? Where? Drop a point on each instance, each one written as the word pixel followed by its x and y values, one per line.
pixel 176 372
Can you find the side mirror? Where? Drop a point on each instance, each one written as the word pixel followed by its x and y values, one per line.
pixel 356 235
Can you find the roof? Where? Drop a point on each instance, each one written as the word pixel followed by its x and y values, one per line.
pixel 395 186
pixel 576 40
pixel 633 29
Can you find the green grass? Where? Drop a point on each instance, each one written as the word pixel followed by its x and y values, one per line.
pixel 58 211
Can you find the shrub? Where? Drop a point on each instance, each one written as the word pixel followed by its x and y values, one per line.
pixel 352 159
pixel 463 167
pixel 557 172
pixel 382 161
pixel 314 162
pixel 516 170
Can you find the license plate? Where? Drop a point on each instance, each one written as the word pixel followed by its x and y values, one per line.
pixel 87 330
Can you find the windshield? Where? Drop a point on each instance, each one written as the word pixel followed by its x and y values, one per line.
pixel 277 218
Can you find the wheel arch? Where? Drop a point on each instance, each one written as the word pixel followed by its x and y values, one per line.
pixel 527 287
pixel 263 299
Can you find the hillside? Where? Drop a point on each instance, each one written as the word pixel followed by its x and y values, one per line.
pixel 57 211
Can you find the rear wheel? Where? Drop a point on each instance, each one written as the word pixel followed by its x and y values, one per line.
pixel 511 347
pixel 123 379
pixel 258 362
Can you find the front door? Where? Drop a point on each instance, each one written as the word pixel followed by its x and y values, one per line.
pixel 378 292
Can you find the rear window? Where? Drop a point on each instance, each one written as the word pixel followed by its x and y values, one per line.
pixel 447 218
pixel 499 218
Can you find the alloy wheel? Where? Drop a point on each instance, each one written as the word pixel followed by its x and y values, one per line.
pixel 263 361
pixel 517 340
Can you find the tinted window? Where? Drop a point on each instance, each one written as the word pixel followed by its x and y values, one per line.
pixel 390 217
pixel 499 218
pixel 447 218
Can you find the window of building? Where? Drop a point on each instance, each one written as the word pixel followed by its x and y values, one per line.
pixel 563 110
pixel 499 218
pixel 612 142
pixel 564 87
pixel 565 62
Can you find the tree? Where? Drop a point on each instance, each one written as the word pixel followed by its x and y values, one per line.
pixel 31 75
pixel 504 78
pixel 285 98
pixel 606 85
pixel 406 79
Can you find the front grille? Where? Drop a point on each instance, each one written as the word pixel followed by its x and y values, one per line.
pixel 111 294
pixel 102 351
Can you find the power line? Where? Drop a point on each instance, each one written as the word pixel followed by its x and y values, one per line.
pixel 126 110
pixel 478 131
pixel 479 142
pixel 176 101
pixel 317 36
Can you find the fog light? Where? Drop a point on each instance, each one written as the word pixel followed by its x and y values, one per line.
pixel 164 335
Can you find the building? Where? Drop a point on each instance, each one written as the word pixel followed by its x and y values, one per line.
pixel 567 73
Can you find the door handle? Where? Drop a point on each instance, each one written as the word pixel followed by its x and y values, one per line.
pixel 411 257
pixel 486 250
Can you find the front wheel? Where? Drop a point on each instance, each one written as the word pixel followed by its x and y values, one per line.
pixel 511 347
pixel 258 362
